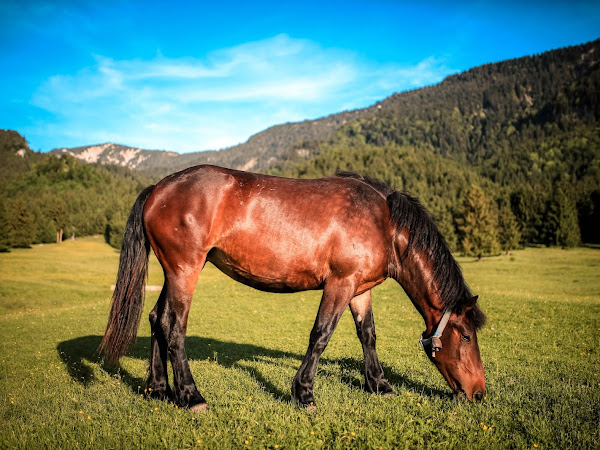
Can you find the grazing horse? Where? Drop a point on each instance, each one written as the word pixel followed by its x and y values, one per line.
pixel 343 234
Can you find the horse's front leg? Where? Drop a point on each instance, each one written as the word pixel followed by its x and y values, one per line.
pixel 336 296
pixel 365 329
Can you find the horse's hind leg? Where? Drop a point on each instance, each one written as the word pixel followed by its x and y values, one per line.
pixel 157 383
pixel 168 336
pixel 365 329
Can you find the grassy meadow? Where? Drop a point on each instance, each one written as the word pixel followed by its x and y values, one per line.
pixel 539 348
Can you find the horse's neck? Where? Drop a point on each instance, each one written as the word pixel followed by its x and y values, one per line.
pixel 415 275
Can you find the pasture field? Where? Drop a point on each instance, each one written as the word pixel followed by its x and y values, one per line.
pixel 540 350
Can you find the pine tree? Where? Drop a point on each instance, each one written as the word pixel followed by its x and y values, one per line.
pixel 445 225
pixel 509 234
pixel 589 217
pixel 561 224
pixel 46 231
pixel 21 222
pixel 477 224
pixel 4 226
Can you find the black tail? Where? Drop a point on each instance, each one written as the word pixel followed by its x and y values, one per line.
pixel 128 297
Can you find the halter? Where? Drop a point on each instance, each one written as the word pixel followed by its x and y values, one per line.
pixel 435 340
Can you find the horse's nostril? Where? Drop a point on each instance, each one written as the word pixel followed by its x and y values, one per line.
pixel 478 395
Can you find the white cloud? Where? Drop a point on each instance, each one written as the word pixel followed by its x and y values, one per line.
pixel 218 100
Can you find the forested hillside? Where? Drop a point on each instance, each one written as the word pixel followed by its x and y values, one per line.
pixel 44 198
pixel 503 155
pixel 523 136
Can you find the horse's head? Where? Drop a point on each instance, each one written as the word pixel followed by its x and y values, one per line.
pixel 454 351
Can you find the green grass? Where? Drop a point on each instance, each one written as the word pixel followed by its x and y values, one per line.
pixel 540 352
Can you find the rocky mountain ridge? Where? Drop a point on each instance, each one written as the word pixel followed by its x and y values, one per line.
pixel 258 153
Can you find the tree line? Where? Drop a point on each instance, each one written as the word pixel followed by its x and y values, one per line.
pixel 46 199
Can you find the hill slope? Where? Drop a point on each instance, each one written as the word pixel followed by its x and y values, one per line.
pixel 526 130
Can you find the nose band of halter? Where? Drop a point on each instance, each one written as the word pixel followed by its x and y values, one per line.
pixel 435 340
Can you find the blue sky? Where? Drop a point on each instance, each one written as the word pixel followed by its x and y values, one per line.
pixel 190 76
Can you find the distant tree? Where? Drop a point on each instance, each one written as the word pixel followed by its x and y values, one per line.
pixel 46 231
pixel 561 223
pixel 477 224
pixel 445 225
pixel 509 233
pixel 4 226
pixel 21 223
pixel 113 233
pixel 528 204
pixel 58 214
pixel 589 218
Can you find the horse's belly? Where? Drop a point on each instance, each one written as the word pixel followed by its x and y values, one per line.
pixel 267 274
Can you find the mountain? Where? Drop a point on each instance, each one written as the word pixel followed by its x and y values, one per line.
pixel 120 155
pixel 259 153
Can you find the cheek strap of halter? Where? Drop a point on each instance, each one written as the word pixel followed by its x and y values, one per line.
pixel 435 340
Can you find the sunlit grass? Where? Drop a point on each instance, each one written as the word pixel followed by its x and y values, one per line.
pixel 539 350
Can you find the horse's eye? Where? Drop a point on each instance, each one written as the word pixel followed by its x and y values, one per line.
pixel 466 337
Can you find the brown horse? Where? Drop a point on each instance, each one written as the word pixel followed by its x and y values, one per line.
pixel 343 234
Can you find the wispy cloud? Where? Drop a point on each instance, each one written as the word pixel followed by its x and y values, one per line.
pixel 188 104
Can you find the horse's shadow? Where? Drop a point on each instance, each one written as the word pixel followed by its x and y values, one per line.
pixel 80 354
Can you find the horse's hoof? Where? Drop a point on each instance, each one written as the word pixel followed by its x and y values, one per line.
pixel 163 394
pixel 388 394
pixel 308 407
pixel 199 408
pixel 311 408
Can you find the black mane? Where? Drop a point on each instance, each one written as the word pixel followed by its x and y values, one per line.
pixel 406 212
pixel 379 186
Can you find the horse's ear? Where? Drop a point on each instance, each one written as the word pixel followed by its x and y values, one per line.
pixel 474 314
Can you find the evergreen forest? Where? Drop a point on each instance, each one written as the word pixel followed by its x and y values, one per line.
pixel 503 155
